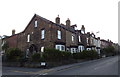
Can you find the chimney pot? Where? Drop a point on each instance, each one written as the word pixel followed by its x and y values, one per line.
pixel 13 31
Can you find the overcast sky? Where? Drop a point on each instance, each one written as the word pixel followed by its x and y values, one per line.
pixel 95 15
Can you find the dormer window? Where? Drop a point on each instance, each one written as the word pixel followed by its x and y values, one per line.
pixel 36 23
pixel 59 34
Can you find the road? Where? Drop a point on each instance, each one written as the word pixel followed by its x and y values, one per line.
pixel 104 66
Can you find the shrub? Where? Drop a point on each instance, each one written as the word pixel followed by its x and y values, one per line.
pixel 13 54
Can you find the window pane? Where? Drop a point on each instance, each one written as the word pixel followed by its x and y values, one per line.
pixel 42 34
pixel 72 38
pixel 42 49
pixel 28 38
pixel 57 47
pixel 79 39
pixel 36 23
pixel 62 48
pixel 59 34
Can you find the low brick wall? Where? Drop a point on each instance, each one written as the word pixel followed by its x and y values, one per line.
pixel 37 64
pixel 11 64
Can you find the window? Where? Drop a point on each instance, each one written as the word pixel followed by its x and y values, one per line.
pixel 58 34
pixel 28 38
pixel 73 50
pixel 82 32
pixel 73 38
pixel 42 34
pixel 79 39
pixel 36 23
pixel 42 49
pixel 27 53
pixel 87 40
pixel 60 47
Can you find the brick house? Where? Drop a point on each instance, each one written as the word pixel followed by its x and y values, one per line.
pixel 93 43
pixel 11 40
pixel 42 33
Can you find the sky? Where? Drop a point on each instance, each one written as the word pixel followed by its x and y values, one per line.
pixel 95 15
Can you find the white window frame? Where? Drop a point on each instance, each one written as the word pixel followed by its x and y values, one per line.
pixel 42 49
pixel 36 23
pixel 73 50
pixel 28 38
pixel 59 34
pixel 79 38
pixel 59 47
pixel 43 34
pixel 80 48
pixel 73 38
pixel 87 40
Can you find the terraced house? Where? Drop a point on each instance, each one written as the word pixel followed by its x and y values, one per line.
pixel 41 33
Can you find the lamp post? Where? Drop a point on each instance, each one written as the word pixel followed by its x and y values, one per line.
pixel 0 43
pixel 98 43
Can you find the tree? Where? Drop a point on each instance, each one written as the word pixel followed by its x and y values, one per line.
pixel 5 46
pixel 108 51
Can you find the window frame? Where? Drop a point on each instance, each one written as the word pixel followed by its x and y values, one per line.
pixel 59 34
pixel 28 38
pixel 73 38
pixel 42 34
pixel 60 47
pixel 36 24
pixel 79 37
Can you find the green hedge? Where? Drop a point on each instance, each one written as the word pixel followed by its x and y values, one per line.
pixel 36 57
pixel 91 54
pixel 13 54
pixel 56 55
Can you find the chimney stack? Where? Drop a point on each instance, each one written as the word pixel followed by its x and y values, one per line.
pixel 13 31
pixel 68 22
pixel 57 20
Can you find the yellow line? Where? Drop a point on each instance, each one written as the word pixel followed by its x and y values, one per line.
pixel 38 72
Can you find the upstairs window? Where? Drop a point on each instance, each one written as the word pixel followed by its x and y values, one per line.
pixel 36 23
pixel 73 38
pixel 58 34
pixel 79 39
pixel 87 41
pixel 43 34
pixel 28 38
